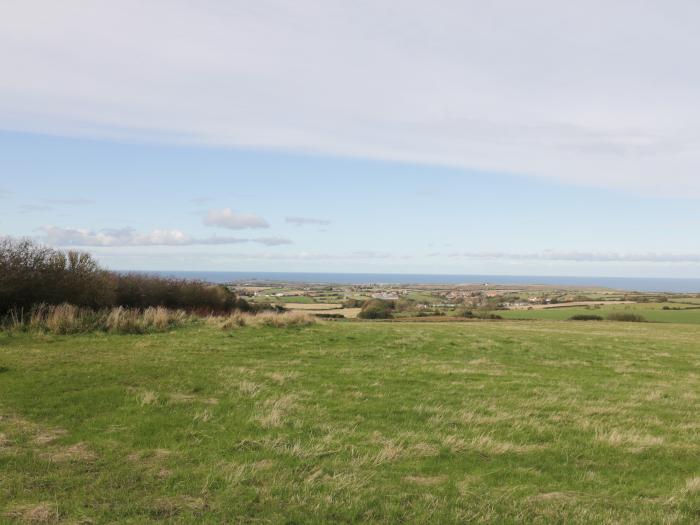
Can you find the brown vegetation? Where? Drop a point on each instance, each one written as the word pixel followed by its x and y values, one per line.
pixel 31 274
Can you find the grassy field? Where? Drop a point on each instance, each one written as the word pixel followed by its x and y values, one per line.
pixel 501 422
pixel 688 313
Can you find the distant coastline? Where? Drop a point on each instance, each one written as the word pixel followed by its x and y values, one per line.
pixel 638 284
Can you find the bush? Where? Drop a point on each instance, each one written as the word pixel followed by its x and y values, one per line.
pixel 625 317
pixel 376 309
pixel 463 312
pixel 488 315
pixel 585 317
pixel 142 291
pixel 353 303
pixel 31 274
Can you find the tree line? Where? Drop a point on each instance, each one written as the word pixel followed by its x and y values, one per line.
pixel 32 274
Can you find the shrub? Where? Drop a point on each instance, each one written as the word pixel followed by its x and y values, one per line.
pixel 585 317
pixel 353 303
pixel 31 274
pixel 376 309
pixel 625 317
pixel 463 312
pixel 488 315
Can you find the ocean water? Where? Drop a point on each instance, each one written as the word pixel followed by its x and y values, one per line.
pixel 640 284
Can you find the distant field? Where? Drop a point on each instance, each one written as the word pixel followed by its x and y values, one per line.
pixel 314 306
pixel 422 297
pixel 325 308
pixel 462 422
pixel 651 312
pixel 294 299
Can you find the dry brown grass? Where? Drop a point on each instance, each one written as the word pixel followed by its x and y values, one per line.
pixel 391 451
pixel 172 506
pixel 425 480
pixel 313 306
pixel 249 388
pixel 75 453
pixel 40 513
pixel 148 398
pixel 274 319
pixel 276 410
pixel 486 444
pixel 45 438
pixel 693 485
pixel 130 320
pixel 70 319
pixel 633 441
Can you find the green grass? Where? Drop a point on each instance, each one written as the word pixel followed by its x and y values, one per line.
pixel 650 311
pixel 295 299
pixel 425 297
pixel 501 422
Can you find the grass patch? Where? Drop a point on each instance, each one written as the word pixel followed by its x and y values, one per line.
pixel 342 422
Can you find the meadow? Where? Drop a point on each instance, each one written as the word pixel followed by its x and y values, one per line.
pixel 685 313
pixel 347 422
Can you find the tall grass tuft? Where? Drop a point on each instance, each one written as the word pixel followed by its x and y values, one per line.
pixel 274 319
pixel 70 319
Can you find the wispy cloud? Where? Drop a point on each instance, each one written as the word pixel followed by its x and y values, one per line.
pixel 576 256
pixel 51 204
pixel 461 95
pixel 58 236
pixel 229 219
pixel 70 202
pixel 303 221
pixel 200 201
pixel 30 208
pixel 359 255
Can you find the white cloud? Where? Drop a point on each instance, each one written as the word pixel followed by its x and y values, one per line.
pixel 596 92
pixel 302 221
pixel 227 218
pixel 574 256
pixel 272 241
pixel 58 236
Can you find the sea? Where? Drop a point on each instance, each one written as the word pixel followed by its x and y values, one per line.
pixel 638 284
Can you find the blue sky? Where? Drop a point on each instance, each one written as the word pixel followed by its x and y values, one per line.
pixel 324 135
pixel 348 214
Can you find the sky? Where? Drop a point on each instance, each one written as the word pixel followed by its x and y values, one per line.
pixel 537 138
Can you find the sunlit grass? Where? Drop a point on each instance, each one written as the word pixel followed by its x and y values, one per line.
pixel 502 422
